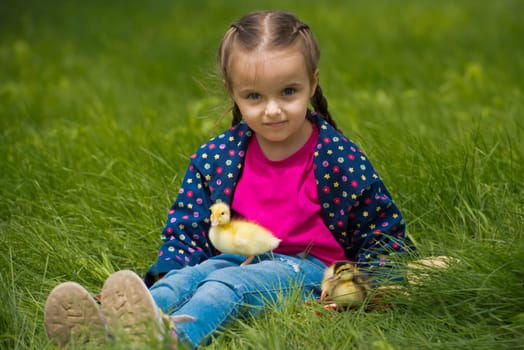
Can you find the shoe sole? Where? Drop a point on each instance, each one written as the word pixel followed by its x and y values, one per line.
pixel 129 309
pixel 72 315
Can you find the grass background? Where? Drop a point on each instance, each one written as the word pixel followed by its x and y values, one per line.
pixel 101 104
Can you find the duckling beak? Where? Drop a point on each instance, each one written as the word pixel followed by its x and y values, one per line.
pixel 214 221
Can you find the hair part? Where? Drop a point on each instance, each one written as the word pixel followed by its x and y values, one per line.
pixel 263 30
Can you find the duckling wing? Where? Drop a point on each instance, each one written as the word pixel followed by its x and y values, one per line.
pixel 230 240
pixel 347 293
pixel 253 239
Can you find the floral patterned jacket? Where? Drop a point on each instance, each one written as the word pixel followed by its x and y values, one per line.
pixel 356 206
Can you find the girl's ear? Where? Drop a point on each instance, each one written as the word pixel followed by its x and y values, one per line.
pixel 315 82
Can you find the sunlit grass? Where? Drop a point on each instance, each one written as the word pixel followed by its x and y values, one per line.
pixel 102 103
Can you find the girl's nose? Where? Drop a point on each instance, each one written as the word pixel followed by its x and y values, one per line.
pixel 272 108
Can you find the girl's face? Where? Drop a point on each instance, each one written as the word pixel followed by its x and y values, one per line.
pixel 272 89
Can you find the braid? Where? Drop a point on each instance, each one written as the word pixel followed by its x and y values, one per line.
pixel 320 105
pixel 237 116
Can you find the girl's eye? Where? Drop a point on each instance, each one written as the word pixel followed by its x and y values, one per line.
pixel 288 91
pixel 253 96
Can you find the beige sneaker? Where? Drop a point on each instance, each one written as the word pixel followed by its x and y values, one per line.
pixel 72 315
pixel 132 314
pixel 129 308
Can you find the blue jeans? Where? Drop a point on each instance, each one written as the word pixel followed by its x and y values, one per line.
pixel 218 290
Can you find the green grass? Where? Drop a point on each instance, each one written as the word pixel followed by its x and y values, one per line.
pixel 102 103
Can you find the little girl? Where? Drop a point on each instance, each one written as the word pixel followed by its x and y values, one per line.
pixel 282 165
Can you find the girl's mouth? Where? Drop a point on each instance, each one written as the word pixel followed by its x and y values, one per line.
pixel 275 125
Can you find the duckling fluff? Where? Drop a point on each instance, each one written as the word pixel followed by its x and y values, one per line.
pixel 239 236
pixel 344 284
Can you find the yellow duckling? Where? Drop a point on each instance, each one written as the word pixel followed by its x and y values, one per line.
pixel 239 236
pixel 344 285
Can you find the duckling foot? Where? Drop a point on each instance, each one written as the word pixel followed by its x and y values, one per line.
pixel 248 260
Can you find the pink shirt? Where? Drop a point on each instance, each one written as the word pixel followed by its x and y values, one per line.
pixel 282 196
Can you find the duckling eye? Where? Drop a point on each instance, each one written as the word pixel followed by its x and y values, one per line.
pixel 223 213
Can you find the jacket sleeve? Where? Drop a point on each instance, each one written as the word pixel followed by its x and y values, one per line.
pixel 377 233
pixel 185 233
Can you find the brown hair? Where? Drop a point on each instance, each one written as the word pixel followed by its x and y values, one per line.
pixel 272 30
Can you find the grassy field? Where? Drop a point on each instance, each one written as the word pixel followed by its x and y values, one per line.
pixel 102 103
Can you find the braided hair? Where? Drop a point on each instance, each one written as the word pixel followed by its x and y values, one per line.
pixel 271 30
